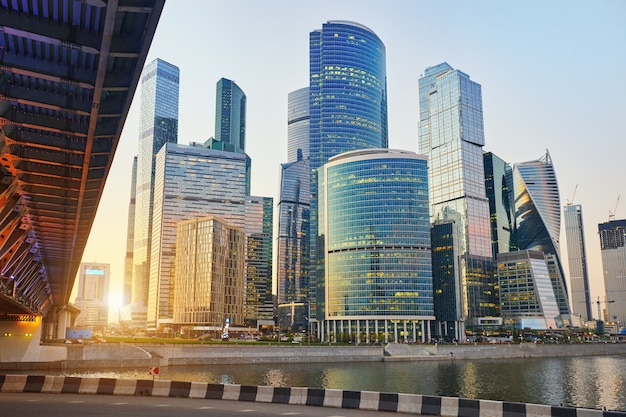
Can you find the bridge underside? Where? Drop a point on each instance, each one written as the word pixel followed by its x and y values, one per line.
pixel 68 72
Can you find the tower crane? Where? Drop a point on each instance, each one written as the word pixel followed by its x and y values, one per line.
pixel 612 213
pixel 570 202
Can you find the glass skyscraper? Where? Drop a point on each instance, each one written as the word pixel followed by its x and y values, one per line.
pixel 375 238
pixel 298 125
pixel 577 261
pixel 259 302
pixel 538 217
pixel 613 250
pixel 451 134
pixel 130 238
pixel 293 233
pixel 158 126
pixel 93 295
pixel 347 103
pixel 499 187
pixel 230 115
pixel 190 182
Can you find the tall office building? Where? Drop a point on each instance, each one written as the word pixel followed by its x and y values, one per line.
pixel 499 188
pixel 613 250
pixel 130 238
pixel 293 240
pixel 526 296
pixel 230 115
pixel 538 217
pixel 158 126
pixel 375 238
pixel 93 295
pixel 577 261
pixel 451 134
pixel 230 123
pixel 298 125
pixel 210 273
pixel 259 229
pixel 347 104
pixel 190 181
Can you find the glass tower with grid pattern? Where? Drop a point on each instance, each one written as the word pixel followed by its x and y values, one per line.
pixel 577 261
pixel 451 134
pixel 158 125
pixel 613 250
pixel 375 239
pixel 347 105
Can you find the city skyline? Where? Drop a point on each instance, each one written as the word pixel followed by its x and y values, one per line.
pixel 529 80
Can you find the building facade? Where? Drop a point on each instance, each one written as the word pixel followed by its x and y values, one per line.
pixel 210 274
pixel 499 188
pixel 527 297
pixel 375 237
pixel 298 125
pixel 158 126
pixel 538 217
pixel 577 261
pixel 190 181
pixel 613 250
pixel 93 295
pixel 347 105
pixel 451 134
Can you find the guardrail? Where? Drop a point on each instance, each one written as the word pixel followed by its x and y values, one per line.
pixel 363 400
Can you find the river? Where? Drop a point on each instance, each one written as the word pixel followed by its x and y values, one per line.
pixel 589 382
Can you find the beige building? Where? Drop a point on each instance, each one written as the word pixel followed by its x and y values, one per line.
pixel 209 273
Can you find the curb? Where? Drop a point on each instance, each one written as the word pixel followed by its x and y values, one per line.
pixel 362 400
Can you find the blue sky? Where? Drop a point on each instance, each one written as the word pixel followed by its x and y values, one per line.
pixel 552 76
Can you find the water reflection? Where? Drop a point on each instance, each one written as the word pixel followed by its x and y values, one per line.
pixel 593 382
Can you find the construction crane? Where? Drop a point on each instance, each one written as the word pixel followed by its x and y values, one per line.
pixel 612 213
pixel 570 202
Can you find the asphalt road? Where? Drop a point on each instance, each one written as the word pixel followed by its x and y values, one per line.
pixel 70 405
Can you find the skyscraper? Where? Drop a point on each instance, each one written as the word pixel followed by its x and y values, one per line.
pixel 230 123
pixel 451 134
pixel 130 238
pixel 259 301
pixel 538 217
pixel 613 249
pixel 499 187
pixel 347 103
pixel 158 126
pixel 183 175
pixel 230 115
pixel 293 240
pixel 375 238
pixel 577 260
pixel 93 295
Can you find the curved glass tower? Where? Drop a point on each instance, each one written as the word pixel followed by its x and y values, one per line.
pixel 348 102
pixel 230 114
pixel 375 226
pixel 298 125
pixel 538 217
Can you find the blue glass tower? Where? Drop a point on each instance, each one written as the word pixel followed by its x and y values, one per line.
pixel 577 261
pixel 158 126
pixel 375 238
pixel 348 102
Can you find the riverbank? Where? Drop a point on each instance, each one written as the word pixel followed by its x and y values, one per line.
pixel 113 355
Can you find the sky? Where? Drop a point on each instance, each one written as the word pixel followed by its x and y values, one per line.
pixel 552 77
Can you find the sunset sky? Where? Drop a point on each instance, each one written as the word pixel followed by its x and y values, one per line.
pixel 552 76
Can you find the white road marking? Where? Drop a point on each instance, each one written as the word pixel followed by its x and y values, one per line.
pixel 205 408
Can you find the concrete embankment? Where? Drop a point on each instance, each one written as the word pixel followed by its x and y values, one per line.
pixel 108 355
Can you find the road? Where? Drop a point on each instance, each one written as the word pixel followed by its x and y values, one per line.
pixel 70 405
